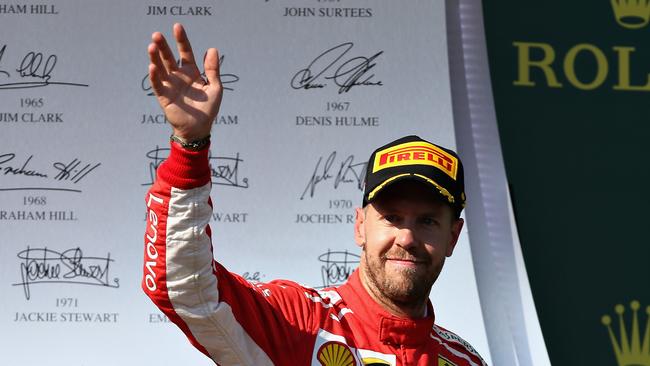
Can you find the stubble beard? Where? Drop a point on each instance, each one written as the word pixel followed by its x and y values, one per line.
pixel 409 287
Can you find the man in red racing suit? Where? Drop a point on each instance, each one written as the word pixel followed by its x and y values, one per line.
pixel 370 320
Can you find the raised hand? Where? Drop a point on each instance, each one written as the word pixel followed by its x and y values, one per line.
pixel 189 102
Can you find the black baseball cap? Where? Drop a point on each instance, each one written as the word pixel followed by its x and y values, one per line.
pixel 413 158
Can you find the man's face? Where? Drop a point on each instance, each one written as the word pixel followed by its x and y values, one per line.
pixel 406 233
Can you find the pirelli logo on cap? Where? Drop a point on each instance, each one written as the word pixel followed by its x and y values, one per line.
pixel 416 153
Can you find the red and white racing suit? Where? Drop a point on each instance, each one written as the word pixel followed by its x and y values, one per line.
pixel 235 322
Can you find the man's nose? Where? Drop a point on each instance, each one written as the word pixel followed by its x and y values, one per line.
pixel 405 237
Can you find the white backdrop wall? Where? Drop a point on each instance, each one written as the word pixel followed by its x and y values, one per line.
pixel 312 87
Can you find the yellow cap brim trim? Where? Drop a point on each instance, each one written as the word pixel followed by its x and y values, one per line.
pixel 442 190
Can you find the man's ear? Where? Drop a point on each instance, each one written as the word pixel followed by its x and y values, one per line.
pixel 359 227
pixel 456 228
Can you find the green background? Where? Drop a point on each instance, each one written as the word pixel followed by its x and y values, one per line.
pixel 577 165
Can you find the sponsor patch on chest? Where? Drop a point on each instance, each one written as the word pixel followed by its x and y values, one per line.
pixel 333 350
pixel 444 362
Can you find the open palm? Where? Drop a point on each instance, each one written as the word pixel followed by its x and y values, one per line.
pixel 189 102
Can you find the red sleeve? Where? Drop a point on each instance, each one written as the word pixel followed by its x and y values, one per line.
pixel 223 315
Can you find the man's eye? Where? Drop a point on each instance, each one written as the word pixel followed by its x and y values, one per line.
pixel 429 221
pixel 391 218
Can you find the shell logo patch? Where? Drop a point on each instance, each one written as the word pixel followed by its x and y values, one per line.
pixel 335 354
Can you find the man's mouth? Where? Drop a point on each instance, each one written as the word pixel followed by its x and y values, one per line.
pixel 407 262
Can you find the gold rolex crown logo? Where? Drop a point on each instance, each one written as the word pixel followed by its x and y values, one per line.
pixel 629 350
pixel 632 14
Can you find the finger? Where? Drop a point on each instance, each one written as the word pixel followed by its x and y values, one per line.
pixel 154 57
pixel 156 82
pixel 184 46
pixel 165 52
pixel 211 66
